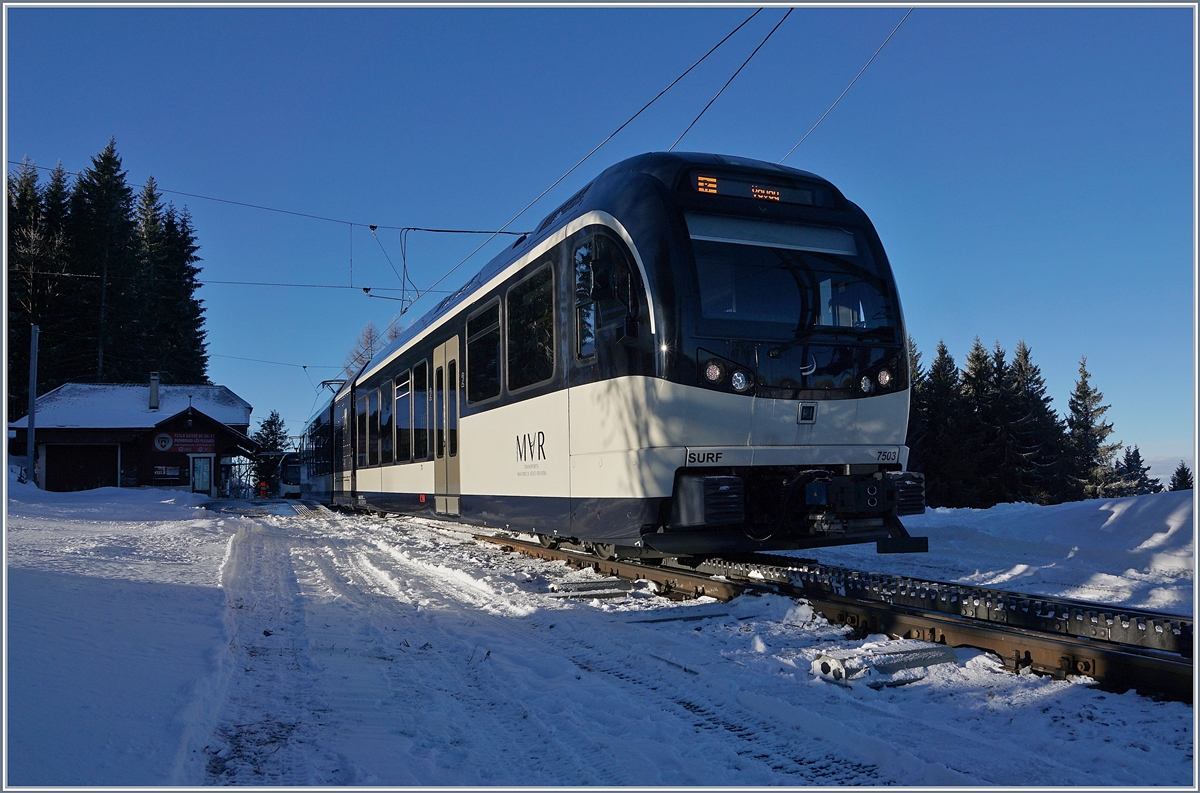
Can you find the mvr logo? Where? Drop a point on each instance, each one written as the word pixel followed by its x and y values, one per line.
pixel 531 447
pixel 700 458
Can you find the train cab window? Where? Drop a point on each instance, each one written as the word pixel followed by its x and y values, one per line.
pixel 529 314
pixel 420 410
pixel 452 407
pixel 373 427
pixel 386 439
pixel 403 420
pixel 614 285
pixel 585 306
pixel 439 413
pixel 360 432
pixel 483 354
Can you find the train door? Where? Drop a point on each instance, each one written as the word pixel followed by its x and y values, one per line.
pixel 446 376
pixel 341 452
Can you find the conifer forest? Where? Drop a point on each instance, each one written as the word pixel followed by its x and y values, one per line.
pixel 107 275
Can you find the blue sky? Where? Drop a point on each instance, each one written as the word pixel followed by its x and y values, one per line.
pixel 1030 170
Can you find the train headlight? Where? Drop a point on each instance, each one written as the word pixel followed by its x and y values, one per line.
pixel 740 381
pixel 865 384
pixel 714 372
pixel 884 378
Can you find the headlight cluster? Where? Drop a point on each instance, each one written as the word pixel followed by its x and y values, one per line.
pixel 883 378
pixel 715 374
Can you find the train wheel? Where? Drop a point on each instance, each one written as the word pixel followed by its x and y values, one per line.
pixel 606 551
pixel 547 541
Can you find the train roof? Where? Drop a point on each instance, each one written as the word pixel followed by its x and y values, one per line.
pixel 664 166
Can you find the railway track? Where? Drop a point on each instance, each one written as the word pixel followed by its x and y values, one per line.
pixel 1120 648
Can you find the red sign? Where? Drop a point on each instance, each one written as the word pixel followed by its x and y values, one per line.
pixel 186 442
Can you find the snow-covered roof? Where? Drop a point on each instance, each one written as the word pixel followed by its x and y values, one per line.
pixel 113 406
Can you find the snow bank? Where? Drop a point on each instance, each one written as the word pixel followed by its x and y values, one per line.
pixel 116 623
pixel 1137 552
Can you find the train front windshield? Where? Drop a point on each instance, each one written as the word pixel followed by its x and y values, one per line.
pixel 768 280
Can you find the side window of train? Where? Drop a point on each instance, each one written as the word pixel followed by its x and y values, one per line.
pixel 403 419
pixel 585 306
pixel 420 403
pixel 360 431
pixel 483 354
pixel 373 427
pixel 529 315
pixel 386 438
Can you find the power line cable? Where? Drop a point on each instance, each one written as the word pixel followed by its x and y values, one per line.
pixel 730 80
pixel 852 82
pixel 350 223
pixel 305 367
pixel 576 165
pixel 208 282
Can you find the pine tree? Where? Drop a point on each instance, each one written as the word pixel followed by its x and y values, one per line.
pixel 101 232
pixel 146 333
pixel 271 436
pixel 1090 457
pixel 55 201
pixel 1039 432
pixel 1131 478
pixel 24 212
pixel 943 459
pixel 1182 478
pixel 187 345
pixel 917 409
pixel 978 430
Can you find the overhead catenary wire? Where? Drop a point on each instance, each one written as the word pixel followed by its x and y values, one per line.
pixel 209 281
pixel 848 87
pixel 730 80
pixel 581 162
pixel 306 367
pixel 264 208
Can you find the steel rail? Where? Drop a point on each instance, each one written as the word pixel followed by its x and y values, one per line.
pixel 1128 627
pixel 913 615
pixel 672 582
pixel 1020 629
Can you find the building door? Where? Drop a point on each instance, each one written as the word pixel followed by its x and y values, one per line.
pixel 202 475
pixel 80 467
pixel 446 377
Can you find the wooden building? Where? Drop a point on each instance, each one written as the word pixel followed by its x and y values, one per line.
pixel 178 437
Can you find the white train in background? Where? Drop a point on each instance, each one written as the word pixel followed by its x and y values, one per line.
pixel 694 354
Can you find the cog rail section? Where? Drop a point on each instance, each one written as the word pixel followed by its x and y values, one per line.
pixel 674 583
pixel 1121 648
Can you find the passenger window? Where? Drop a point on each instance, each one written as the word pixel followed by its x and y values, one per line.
pixel 403 420
pixel 529 323
pixel 386 439
pixel 420 403
pixel 360 435
pixel 585 307
pixel 483 355
pixel 373 425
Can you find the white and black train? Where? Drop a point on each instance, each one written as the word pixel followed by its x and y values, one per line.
pixel 694 354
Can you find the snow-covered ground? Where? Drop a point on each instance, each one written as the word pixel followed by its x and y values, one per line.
pixel 1138 552
pixel 152 641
